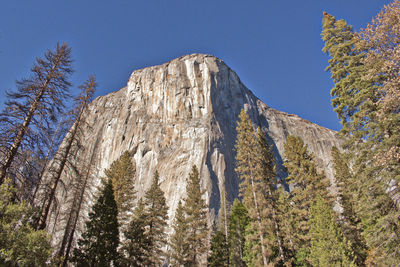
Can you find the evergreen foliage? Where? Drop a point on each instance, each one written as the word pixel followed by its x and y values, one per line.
pixel 353 96
pixel 98 245
pixel 178 242
pixel 364 86
pixel 219 250
pixel 20 243
pixel 286 222
pixel 136 245
pixel 255 166
pixel 381 41
pixel 156 222
pixel 196 210
pixel 307 183
pixel 348 192
pixel 122 173
pixel 329 247
pixel 238 222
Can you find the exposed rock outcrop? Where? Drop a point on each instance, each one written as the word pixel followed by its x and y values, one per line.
pixel 178 114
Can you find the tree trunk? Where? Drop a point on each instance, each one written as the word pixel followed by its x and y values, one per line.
pixel 74 214
pixel 21 133
pixel 45 165
pixel 49 200
pixel 263 252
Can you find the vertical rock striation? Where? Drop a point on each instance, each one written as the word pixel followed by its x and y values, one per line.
pixel 178 114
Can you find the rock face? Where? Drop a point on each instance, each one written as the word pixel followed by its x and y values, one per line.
pixel 178 114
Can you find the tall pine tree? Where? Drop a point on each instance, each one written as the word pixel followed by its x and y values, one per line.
pixel 238 222
pixel 156 222
pixel 307 184
pixel 196 220
pixel 62 158
pixel 122 173
pixel 358 64
pixel 349 193
pixel 136 245
pixel 286 222
pixel 98 245
pixel 38 101
pixel 178 242
pixel 256 168
pixel 219 250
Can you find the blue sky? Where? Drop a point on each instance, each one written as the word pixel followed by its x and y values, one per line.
pixel 274 46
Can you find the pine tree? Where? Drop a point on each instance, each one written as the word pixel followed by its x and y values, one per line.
pixel 348 192
pixel 20 243
pixel 137 244
pixel 156 222
pixel 329 247
pixel 122 173
pixel 381 41
pixel 370 123
pixel 178 242
pixel 308 184
pixel 267 171
pixel 377 158
pixel 238 222
pixel 196 220
pixel 379 218
pixel 60 160
pixel 256 169
pixel 37 101
pixel 82 174
pixel 219 250
pixel 353 95
pixel 286 221
pixel 98 245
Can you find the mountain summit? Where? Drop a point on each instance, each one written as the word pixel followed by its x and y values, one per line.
pixel 179 114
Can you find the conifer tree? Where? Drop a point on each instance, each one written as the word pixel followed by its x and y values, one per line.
pixel 219 250
pixel 256 169
pixel 286 221
pixel 38 100
pixel 308 184
pixel 196 220
pixel 122 173
pixel 238 222
pixel 377 158
pixel 98 245
pixel 156 222
pixel 136 245
pixel 329 247
pixel 60 160
pixel 348 192
pixel 352 93
pixel 178 242
pixel 362 83
pixel 82 176
pixel 246 165
pixel 381 41
pixel 267 169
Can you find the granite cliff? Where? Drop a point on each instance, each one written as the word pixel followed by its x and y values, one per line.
pixel 172 116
